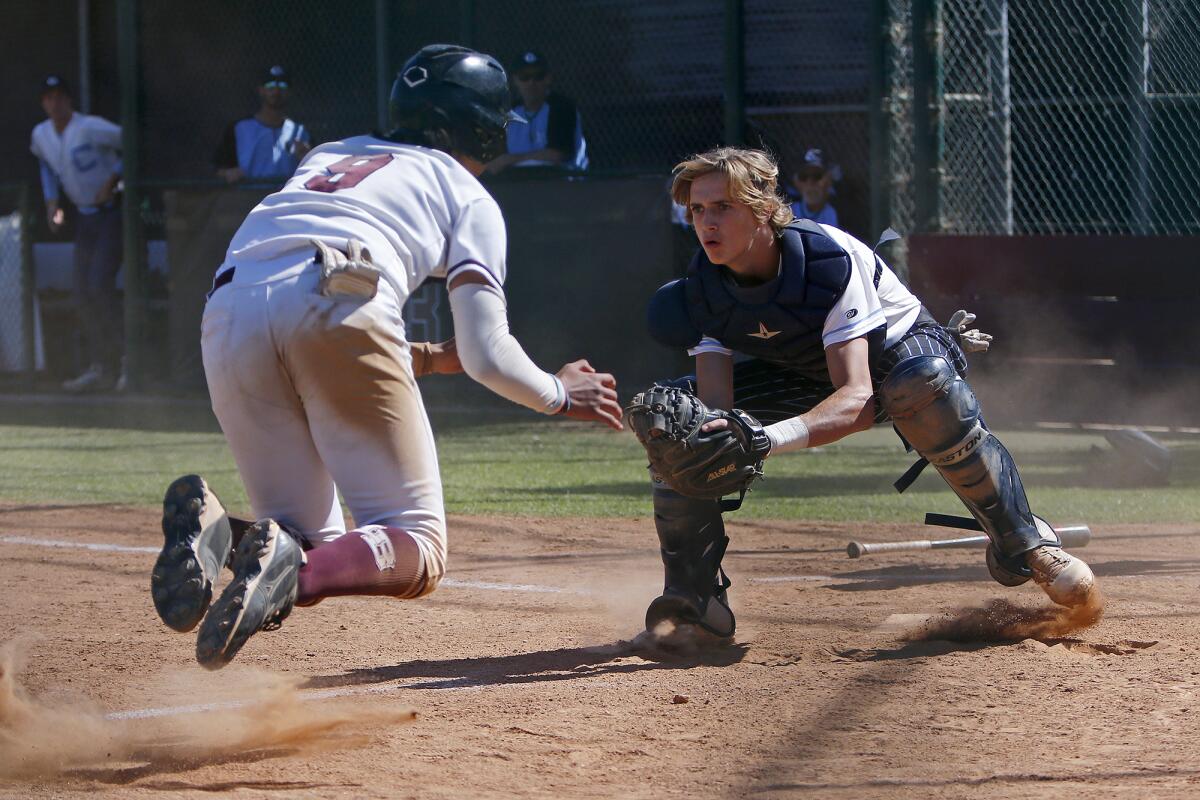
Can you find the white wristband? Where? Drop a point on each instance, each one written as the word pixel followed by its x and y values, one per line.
pixel 786 435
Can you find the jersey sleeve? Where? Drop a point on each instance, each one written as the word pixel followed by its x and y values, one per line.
pixel 104 133
pixel 479 243
pixel 709 345
pixel 858 311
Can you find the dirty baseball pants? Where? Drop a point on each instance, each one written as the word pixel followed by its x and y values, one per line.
pixel 315 396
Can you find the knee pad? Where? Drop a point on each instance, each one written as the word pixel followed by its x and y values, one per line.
pixel 935 410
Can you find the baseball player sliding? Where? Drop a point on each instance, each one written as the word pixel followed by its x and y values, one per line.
pixel 835 343
pixel 313 381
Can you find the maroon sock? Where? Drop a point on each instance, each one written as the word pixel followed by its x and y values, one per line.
pixel 372 560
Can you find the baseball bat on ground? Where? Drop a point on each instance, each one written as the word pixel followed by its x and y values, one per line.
pixel 1071 535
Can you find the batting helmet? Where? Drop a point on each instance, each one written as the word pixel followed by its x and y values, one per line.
pixel 453 99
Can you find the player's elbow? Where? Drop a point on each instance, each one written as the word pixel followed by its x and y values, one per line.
pixel 860 406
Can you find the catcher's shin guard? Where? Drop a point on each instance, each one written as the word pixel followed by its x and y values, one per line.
pixel 692 536
pixel 935 410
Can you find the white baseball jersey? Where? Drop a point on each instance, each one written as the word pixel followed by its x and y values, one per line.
pixel 420 213
pixel 83 157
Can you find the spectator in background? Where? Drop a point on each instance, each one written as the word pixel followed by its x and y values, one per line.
pixel 812 186
pixel 550 132
pixel 80 155
pixel 268 144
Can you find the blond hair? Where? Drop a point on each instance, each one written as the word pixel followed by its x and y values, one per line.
pixel 753 178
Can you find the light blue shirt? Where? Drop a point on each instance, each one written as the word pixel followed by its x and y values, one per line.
pixel 826 216
pixel 264 152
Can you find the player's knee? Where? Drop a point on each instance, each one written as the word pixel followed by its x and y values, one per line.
pixel 929 403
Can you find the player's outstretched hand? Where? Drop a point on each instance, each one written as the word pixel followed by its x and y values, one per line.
pixel 593 394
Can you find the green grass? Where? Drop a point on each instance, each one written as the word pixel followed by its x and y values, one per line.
pixel 528 467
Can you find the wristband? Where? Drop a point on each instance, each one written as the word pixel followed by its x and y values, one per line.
pixel 788 434
pixel 566 397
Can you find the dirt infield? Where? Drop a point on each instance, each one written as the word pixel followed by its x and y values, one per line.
pixel 524 681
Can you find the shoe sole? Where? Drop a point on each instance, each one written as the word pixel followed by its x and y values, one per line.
pixel 196 542
pixel 227 628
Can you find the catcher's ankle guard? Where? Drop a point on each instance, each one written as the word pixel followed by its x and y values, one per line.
pixel 692 539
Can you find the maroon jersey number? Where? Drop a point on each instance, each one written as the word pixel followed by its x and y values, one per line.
pixel 348 172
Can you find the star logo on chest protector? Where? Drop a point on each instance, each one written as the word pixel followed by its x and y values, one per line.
pixel 763 333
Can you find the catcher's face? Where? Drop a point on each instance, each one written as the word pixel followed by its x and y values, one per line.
pixel 728 230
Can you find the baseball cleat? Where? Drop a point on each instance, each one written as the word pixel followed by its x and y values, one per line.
pixel 1065 579
pixel 679 609
pixel 266 567
pixel 196 545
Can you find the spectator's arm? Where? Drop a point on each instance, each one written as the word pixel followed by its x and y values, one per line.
pixel 49 183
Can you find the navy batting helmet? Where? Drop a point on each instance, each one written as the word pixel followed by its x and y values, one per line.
pixel 453 99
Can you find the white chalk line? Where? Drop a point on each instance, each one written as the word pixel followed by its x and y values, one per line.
pixel 224 705
pixel 453 583
pixel 108 548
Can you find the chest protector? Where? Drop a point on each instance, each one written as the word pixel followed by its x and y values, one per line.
pixel 780 321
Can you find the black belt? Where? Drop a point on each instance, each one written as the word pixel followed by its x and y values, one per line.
pixel 222 279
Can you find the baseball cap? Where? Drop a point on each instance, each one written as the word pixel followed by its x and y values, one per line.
pixel 276 77
pixel 530 61
pixel 55 82
pixel 815 163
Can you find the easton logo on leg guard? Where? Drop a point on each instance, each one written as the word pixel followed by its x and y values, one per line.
pixel 381 546
pixel 963 448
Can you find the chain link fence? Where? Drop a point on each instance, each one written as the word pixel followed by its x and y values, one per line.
pixel 18 351
pixel 1071 117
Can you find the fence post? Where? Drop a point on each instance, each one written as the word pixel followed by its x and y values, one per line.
pixel 878 118
pixel 28 282
pixel 735 72
pixel 383 76
pixel 927 106
pixel 129 72
pixel 466 22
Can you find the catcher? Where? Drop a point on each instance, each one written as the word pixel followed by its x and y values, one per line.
pixel 831 342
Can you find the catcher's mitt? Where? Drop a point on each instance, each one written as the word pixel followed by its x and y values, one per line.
pixel 713 464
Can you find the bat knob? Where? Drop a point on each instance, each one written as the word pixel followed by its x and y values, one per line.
pixel 854 549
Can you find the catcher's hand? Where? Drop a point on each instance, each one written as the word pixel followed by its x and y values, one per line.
pixel 722 460
pixel 971 341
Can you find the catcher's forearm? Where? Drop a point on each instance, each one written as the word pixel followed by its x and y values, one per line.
pixel 846 411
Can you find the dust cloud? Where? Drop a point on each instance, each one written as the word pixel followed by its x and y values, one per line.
pixel 1005 621
pixel 43 737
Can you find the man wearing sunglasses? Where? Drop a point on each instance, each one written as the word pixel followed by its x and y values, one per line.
pixel 549 132
pixel 268 144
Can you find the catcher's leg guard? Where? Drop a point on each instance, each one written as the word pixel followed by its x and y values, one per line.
pixel 935 410
pixel 692 536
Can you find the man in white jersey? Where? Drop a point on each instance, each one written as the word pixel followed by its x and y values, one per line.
pixel 832 342
pixel 313 381
pixel 80 156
